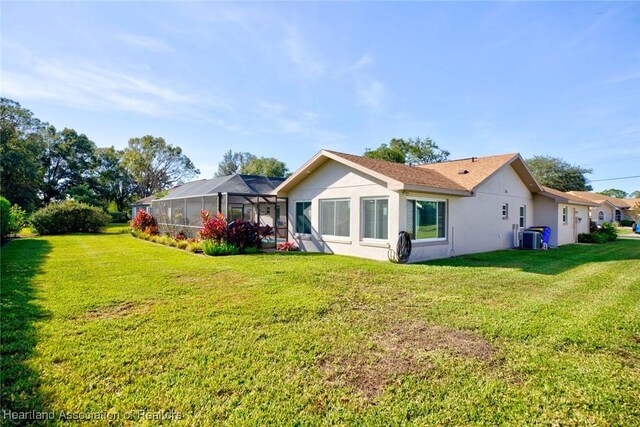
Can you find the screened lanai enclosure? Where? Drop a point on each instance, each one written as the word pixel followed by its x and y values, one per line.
pixel 243 197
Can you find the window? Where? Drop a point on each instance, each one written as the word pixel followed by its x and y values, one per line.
pixel 601 216
pixel 505 211
pixel 303 217
pixel 335 217
pixel 523 216
pixel 426 219
pixel 564 215
pixel 375 218
pixel 618 215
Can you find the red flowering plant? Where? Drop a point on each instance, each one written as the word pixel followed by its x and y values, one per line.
pixel 213 228
pixel 181 236
pixel 287 247
pixel 145 223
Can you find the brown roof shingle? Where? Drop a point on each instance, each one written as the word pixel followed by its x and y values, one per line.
pixel 477 169
pixel 406 174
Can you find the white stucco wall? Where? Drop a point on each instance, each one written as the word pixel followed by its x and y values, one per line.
pixel 609 213
pixel 334 180
pixel 475 223
pixel 546 213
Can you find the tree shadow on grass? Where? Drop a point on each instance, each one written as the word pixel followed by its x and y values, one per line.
pixel 549 262
pixel 22 260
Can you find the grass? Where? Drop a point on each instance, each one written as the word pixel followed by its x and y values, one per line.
pixel 112 323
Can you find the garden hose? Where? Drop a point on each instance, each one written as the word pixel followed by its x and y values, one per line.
pixel 403 249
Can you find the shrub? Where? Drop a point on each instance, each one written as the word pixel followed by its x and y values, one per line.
pixel 182 244
pixel 17 219
pixel 608 230
pixel 119 217
pixel 212 248
pixel 213 228
pixel 593 227
pixel 194 247
pixel 5 216
pixel 627 223
pixel 145 223
pixel 181 236
pixel 287 247
pixel 251 250
pixel 69 217
pixel 592 238
pixel 247 234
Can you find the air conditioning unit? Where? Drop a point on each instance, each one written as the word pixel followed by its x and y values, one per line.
pixel 530 240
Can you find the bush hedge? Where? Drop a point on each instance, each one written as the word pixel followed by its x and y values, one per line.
pixel 592 238
pixel 627 223
pixel 5 216
pixel 69 217
pixel 119 217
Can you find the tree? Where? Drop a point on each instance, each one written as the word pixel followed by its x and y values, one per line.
pixel 84 194
pixel 265 166
pixel 614 192
pixel 67 162
pixel 155 165
pixel 410 151
pixel 557 173
pixel 112 180
pixel 21 144
pixel 232 163
pixel 634 194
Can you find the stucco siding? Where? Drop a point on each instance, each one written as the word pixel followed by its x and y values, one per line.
pixel 334 180
pixel 545 213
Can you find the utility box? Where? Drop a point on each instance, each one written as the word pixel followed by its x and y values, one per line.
pixel 530 240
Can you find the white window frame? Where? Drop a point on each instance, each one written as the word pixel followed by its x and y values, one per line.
pixel 335 216
pixel 505 211
pixel 601 216
pixel 295 217
pixel 522 216
pixel 446 219
pixel 565 214
pixel 362 222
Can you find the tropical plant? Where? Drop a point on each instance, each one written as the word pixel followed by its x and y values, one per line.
pixel 213 248
pixel 287 247
pixel 213 228
pixel 145 222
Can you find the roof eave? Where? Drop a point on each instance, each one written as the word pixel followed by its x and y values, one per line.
pixel 427 189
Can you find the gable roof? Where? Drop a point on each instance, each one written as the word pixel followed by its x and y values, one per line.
pixel 562 197
pixel 242 184
pixel 601 198
pixel 470 173
pixel 440 178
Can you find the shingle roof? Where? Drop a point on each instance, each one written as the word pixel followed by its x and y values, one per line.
pixel 403 173
pixel 469 173
pixel 145 201
pixel 599 198
pixel 570 198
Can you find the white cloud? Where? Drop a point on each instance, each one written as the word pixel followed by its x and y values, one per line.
pixel 144 42
pixel 301 55
pixel 80 83
pixel 363 61
pixel 371 94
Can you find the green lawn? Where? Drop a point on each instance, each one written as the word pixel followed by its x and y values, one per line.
pixel 111 323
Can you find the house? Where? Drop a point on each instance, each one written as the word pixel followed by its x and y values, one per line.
pixel 244 197
pixel 609 209
pixel 141 205
pixel 566 214
pixel 352 205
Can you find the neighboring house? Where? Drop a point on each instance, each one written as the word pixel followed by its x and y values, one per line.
pixel 141 205
pixel 609 209
pixel 352 205
pixel 566 214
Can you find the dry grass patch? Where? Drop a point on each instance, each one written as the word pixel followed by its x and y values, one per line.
pixel 403 349
pixel 123 309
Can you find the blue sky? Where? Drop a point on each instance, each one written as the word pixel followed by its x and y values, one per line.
pixel 288 79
